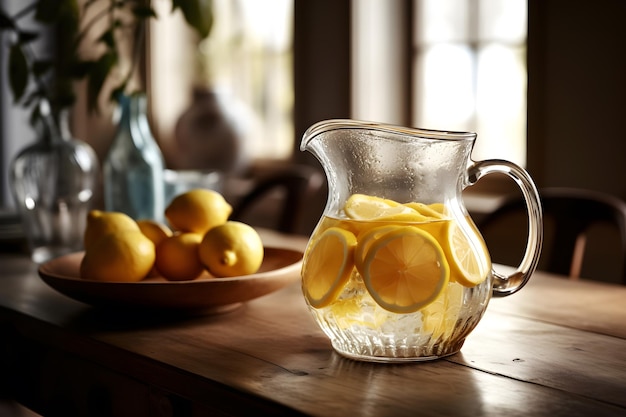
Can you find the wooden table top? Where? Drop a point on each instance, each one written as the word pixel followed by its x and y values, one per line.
pixel 556 348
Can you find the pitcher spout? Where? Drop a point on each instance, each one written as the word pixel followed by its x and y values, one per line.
pixel 342 124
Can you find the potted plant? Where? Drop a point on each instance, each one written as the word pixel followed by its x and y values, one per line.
pixel 107 26
pixel 54 179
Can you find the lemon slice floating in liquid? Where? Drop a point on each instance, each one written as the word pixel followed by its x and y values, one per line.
pixel 366 239
pixel 433 211
pixel 367 207
pixel 405 270
pixel 467 267
pixel 328 266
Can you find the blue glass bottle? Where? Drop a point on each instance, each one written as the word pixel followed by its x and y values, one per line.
pixel 134 166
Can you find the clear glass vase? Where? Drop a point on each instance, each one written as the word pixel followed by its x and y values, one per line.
pixel 134 166
pixel 53 182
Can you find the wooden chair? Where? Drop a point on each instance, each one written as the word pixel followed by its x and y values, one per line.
pixel 569 215
pixel 281 193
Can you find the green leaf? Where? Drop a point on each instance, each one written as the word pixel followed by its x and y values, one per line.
pixel 108 38
pixel 18 72
pixel 99 73
pixel 80 69
pixel 25 36
pixel 48 11
pixel 40 67
pixel 6 21
pixel 144 12
pixel 65 98
pixel 198 13
pixel 52 11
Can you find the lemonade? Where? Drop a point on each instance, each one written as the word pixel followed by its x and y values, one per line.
pixel 396 270
pixel 390 280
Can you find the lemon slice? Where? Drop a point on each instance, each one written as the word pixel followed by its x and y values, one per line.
pixel 328 266
pixel 365 240
pixel 468 266
pixel 438 207
pixel 405 270
pixel 431 211
pixel 367 207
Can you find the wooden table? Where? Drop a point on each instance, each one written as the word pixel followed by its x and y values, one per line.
pixel 557 348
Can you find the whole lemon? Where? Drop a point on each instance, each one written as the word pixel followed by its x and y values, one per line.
pixel 100 223
pixel 231 249
pixel 154 230
pixel 177 257
pixel 126 256
pixel 198 210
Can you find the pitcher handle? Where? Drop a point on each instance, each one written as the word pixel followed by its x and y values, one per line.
pixel 503 284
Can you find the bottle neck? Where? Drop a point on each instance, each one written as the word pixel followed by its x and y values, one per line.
pixel 53 127
pixel 134 118
pixel 63 122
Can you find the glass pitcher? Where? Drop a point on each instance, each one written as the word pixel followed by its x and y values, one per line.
pixel 396 270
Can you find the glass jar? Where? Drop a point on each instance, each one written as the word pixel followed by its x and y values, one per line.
pixel 134 165
pixel 53 183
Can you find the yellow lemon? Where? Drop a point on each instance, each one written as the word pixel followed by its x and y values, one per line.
pixel 328 265
pixel 367 207
pixel 155 231
pixel 100 223
pixel 177 257
pixel 469 261
pixel 197 211
pixel 404 270
pixel 125 256
pixel 231 249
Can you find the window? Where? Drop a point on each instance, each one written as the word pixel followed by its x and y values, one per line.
pixel 470 74
pixel 467 73
pixel 466 60
pixel 248 55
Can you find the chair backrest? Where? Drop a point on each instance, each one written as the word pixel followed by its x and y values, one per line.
pixel 297 184
pixel 571 212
